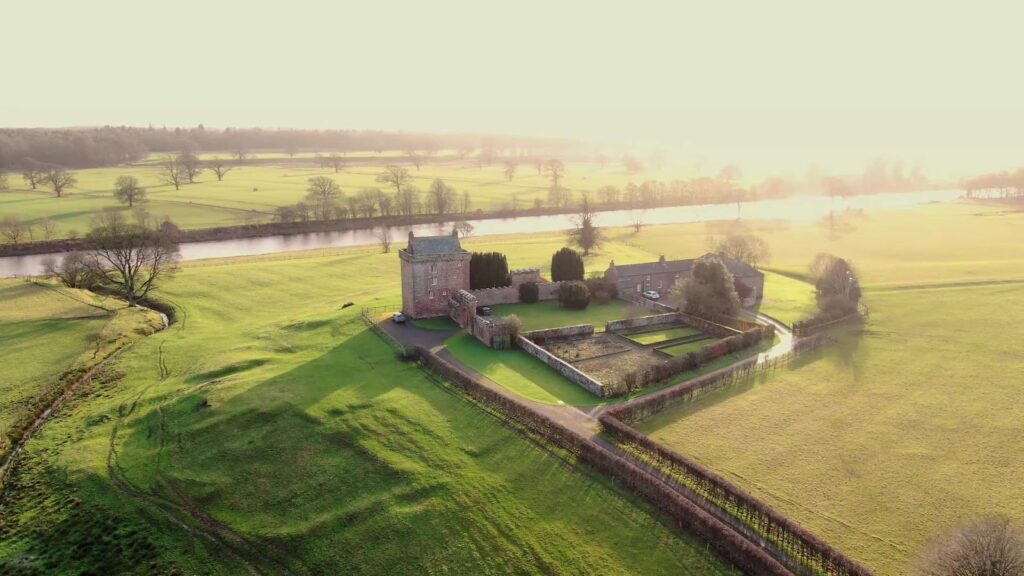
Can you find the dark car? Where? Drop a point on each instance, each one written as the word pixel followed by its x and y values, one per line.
pixel 484 311
pixel 398 318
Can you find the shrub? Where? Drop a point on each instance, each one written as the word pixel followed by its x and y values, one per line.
pixel 709 294
pixel 529 293
pixel 987 546
pixel 602 290
pixel 566 264
pixel 573 295
pixel 514 325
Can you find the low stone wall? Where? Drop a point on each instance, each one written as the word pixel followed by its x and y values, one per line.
pixel 564 332
pixel 708 327
pixel 642 322
pixel 562 367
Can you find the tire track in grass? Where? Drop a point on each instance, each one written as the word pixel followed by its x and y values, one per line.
pixel 221 535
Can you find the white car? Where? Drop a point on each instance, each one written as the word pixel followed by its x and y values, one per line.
pixel 652 295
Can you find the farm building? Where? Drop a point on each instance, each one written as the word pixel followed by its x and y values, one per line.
pixel 634 279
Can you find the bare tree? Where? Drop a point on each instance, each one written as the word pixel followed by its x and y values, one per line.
pixel 33 176
pixel 190 165
pixel 383 232
pixel 745 247
pixel 396 176
pixel 4 186
pixel 466 201
pixel 323 195
pixel 60 180
pixel 441 197
pixel 336 162
pixel 172 172
pixel 407 201
pixel 510 169
pixel 72 270
pixel 127 190
pixel 414 157
pixel 463 228
pixel 555 169
pixel 985 547
pixel 131 258
pixel 49 228
pixel 13 230
pixel 241 153
pixel 637 216
pixel 219 167
pixel 367 201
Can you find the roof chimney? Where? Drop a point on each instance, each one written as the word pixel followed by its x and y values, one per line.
pixel 411 236
pixel 661 260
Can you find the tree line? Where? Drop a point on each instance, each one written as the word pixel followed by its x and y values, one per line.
pixel 112 145
pixel 1006 185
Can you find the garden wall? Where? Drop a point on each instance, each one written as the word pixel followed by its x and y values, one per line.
pixel 562 367
pixel 510 294
pixel 564 332
pixel 642 322
pixel 650 304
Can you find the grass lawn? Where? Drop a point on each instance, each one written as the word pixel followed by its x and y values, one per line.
pixel 687 347
pixel 549 314
pixel 281 416
pixel 520 372
pixel 657 336
pixel 787 299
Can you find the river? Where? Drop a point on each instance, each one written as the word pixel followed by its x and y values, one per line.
pixel 796 208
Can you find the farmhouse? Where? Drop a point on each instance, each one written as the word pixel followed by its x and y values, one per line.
pixel 634 279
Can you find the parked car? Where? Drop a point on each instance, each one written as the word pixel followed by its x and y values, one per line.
pixel 484 311
pixel 652 295
pixel 398 318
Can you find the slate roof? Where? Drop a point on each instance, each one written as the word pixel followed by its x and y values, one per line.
pixel 735 267
pixel 645 268
pixel 429 245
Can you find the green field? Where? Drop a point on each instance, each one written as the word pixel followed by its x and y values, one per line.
pixel 47 331
pixel 656 336
pixel 251 193
pixel 787 299
pixel 911 423
pixel 283 418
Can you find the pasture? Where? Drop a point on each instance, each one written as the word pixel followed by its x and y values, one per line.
pixel 50 334
pixel 251 193
pixel 911 422
pixel 282 417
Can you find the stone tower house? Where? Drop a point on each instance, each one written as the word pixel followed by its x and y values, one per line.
pixel 434 268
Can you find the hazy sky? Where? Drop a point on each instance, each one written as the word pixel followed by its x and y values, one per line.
pixel 771 85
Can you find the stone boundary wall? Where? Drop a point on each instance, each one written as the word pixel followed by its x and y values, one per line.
pixel 642 322
pixel 649 304
pixel 564 332
pixel 510 294
pixel 562 367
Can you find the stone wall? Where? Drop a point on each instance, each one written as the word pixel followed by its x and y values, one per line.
pixel 510 294
pixel 642 322
pixel 562 367
pixel 565 332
